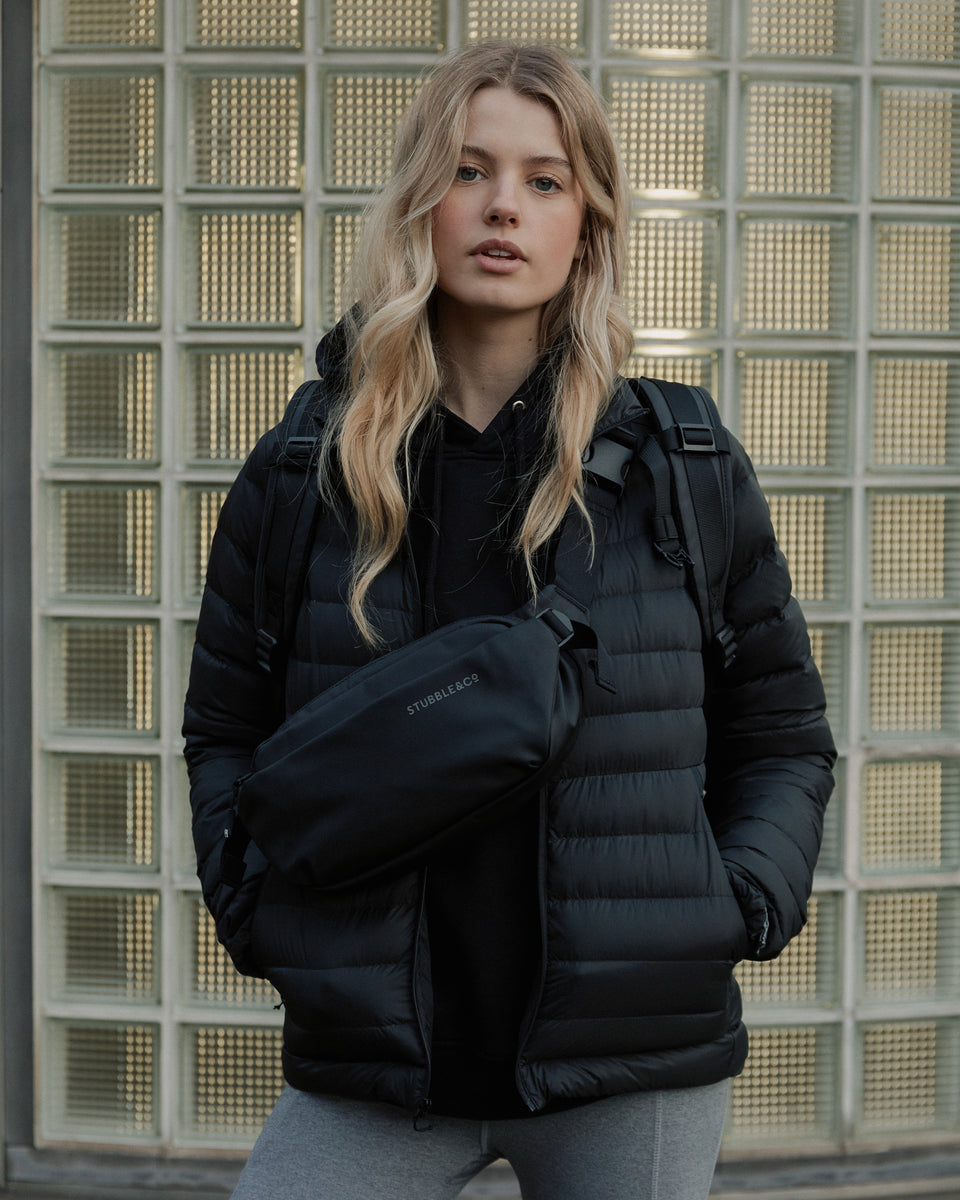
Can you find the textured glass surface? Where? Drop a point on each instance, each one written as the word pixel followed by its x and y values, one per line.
pixel 234 396
pixel 917 278
pixel 372 25
pixel 361 111
pixel 668 28
pixel 104 267
pixel 104 944
pixel 233 1078
pixel 918 31
pixel 213 979
pixel 698 370
pixel 102 812
pixel 919 143
pixel 909 1076
pixel 200 509
pixel 798 139
pixel 811 528
pixel 914 546
pixel 910 816
pixel 245 24
pixel 244 130
pixel 557 21
pixel 339 232
pixel 102 676
pixel 828 645
pixel 674 273
pixel 105 24
pixel 107 132
pixel 788 1088
pixel 668 128
pixel 909 945
pixel 912 680
pixel 246 267
pixel 103 1079
pixel 102 541
pixel 794 276
pixel 821 29
pixel 807 972
pixel 916 411
pixel 794 410
pixel 103 404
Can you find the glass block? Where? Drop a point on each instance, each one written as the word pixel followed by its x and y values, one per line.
pixel 908 945
pixel 212 978
pixel 106 25
pixel 361 112
pixel 910 816
pixel 102 811
pixel 909 1077
pixel 102 404
pixel 913 680
pixel 200 507
pixel 103 945
pixel 371 25
pixel 917 31
pixel 668 28
pixel 102 677
pixel 697 370
pixel 102 1080
pixel 794 410
pixel 233 396
pixel 788 1091
pixel 244 130
pixel 919 143
pixel 231 1079
pixel 811 528
pixel 798 140
pixel 245 267
pixel 795 276
pixel 914 546
pixel 915 411
pixel 916 278
pixel 103 129
pixel 820 29
pixel 102 541
pixel 339 230
pixel 245 24
pixel 807 973
pixel 668 128
pixel 674 276
pixel 103 267
pixel 828 647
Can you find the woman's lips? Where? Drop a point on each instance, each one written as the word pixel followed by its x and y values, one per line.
pixel 501 258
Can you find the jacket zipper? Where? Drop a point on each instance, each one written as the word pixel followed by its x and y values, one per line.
pixel 531 1014
pixel 424 1103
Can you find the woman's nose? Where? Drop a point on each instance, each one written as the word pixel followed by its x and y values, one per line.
pixel 503 208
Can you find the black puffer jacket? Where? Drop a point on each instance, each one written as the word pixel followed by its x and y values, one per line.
pixel 671 847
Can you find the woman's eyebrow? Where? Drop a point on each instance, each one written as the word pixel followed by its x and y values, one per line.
pixel 534 160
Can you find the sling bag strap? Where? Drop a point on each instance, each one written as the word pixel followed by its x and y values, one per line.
pixel 688 458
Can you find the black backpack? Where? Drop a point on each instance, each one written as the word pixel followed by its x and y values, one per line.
pixel 686 451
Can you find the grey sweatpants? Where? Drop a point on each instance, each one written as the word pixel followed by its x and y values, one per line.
pixel 643 1146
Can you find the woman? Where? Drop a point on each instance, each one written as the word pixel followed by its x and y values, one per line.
pixel 557 989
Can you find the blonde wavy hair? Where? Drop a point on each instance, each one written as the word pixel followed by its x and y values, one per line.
pixel 395 367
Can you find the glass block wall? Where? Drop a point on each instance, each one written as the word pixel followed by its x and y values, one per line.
pixel 795 246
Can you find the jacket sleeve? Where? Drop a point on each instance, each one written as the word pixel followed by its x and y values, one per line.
pixel 770 751
pixel 230 705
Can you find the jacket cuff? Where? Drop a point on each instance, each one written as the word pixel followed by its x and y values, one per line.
pixel 753 906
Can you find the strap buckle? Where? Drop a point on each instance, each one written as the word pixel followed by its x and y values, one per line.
pixel 698 439
pixel 297 452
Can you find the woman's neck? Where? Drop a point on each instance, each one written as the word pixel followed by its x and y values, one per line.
pixel 485 363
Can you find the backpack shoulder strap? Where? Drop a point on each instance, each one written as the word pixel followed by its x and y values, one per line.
pixel 689 461
pixel 289 516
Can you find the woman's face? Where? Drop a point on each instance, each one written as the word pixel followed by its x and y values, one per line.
pixel 507 232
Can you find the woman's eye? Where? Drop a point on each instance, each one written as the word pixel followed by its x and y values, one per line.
pixel 543 183
pixel 467 174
